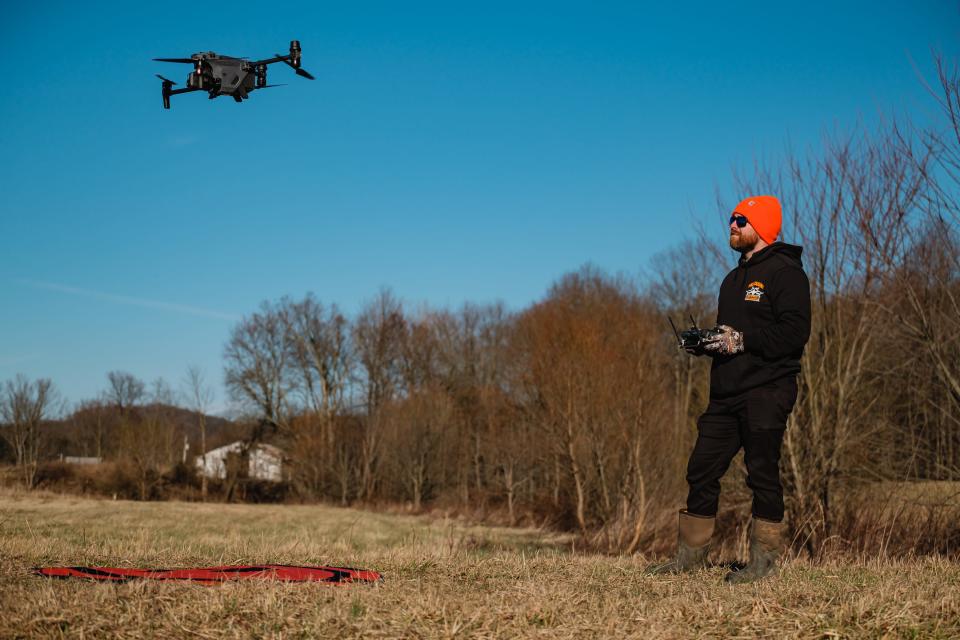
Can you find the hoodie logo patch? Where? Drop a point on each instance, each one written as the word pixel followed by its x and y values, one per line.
pixel 754 291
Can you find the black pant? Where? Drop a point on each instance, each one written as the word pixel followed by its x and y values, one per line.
pixel 754 420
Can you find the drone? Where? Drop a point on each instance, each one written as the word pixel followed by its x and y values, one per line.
pixel 226 76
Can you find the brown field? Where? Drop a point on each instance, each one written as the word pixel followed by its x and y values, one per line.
pixel 443 578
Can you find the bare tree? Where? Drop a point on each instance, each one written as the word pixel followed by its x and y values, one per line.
pixel 577 355
pixel 92 420
pixel 417 425
pixel 257 372
pixel 684 283
pixel 468 359
pixel 378 334
pixel 321 360
pixel 199 396
pixel 144 442
pixel 928 276
pixel 321 353
pixel 162 393
pixel 24 405
pixel 125 390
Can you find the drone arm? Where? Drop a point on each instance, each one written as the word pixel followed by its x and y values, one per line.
pixel 271 60
pixel 167 92
pixel 174 92
pixel 292 60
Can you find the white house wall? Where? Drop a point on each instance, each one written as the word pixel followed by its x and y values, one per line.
pixel 264 462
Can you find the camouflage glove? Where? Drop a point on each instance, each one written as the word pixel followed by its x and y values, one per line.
pixel 694 351
pixel 729 342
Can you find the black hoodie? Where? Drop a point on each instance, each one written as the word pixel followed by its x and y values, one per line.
pixel 768 299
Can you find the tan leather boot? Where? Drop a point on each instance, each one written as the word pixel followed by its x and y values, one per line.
pixel 767 544
pixel 693 544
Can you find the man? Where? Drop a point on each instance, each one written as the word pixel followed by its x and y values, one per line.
pixel 764 318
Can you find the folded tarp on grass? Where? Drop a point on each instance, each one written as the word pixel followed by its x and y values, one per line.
pixel 212 575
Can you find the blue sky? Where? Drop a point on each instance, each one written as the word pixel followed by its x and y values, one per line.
pixel 451 151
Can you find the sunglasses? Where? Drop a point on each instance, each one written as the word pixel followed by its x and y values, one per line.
pixel 740 220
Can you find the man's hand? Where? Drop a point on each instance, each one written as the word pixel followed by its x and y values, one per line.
pixel 694 351
pixel 729 342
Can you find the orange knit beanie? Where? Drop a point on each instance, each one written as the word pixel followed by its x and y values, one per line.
pixel 764 214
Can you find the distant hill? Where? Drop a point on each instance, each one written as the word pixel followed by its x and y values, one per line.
pixel 74 434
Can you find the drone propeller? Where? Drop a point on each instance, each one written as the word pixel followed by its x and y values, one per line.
pixel 300 72
pixel 183 60
pixel 165 80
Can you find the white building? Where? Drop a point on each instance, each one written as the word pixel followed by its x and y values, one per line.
pixel 266 461
pixel 80 459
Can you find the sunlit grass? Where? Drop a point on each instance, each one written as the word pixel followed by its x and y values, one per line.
pixel 442 578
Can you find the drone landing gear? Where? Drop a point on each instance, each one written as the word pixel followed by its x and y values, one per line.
pixel 168 90
pixel 167 87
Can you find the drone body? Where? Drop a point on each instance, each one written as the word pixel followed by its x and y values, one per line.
pixel 227 76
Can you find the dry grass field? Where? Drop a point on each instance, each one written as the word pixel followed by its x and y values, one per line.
pixel 442 579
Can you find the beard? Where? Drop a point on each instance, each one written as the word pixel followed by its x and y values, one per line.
pixel 744 240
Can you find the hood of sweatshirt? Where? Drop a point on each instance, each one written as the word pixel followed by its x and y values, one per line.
pixel 787 252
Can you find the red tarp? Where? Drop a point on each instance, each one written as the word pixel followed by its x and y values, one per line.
pixel 212 575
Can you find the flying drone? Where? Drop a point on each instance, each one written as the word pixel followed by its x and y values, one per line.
pixel 226 76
